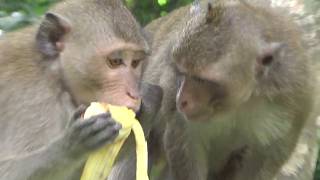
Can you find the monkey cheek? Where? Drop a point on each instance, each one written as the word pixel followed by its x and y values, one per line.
pixel 193 112
pixel 200 117
pixel 133 104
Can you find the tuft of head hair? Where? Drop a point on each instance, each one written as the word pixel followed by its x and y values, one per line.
pixel 202 17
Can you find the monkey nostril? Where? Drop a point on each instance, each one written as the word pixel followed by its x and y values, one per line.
pixel 134 101
pixel 134 96
pixel 267 60
pixel 183 104
pixel 134 107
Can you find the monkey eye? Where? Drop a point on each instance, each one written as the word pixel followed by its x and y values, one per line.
pixel 135 63
pixel 199 80
pixel 267 60
pixel 114 63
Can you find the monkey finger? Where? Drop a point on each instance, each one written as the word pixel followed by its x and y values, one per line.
pixel 102 138
pixel 87 122
pixel 99 116
pixel 79 112
pixel 99 125
pixel 76 115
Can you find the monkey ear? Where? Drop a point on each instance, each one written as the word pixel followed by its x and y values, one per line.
pixel 50 35
pixel 209 15
pixel 213 13
pixel 270 54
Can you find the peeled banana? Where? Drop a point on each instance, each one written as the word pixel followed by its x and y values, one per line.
pixel 99 163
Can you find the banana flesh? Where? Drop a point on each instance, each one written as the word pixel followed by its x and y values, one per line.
pixel 99 163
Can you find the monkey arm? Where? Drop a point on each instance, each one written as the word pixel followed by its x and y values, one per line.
pixel 50 162
pixel 180 154
pixel 125 167
pixel 302 162
pixel 287 159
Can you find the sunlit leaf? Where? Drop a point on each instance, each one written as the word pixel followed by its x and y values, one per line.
pixel 162 2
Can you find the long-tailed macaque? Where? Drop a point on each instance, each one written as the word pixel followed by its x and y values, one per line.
pixel 238 93
pixel 82 51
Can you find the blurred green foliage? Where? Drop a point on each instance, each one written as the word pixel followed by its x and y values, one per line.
pixel 18 13
pixel 146 10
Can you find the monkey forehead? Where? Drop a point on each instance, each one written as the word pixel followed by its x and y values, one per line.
pixel 208 71
pixel 95 20
pixel 198 40
pixel 104 48
pixel 239 26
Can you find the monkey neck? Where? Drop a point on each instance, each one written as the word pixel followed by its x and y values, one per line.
pixel 257 123
pixel 66 88
pixel 28 65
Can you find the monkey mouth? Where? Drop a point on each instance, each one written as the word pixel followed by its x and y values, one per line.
pixel 197 117
pixel 132 104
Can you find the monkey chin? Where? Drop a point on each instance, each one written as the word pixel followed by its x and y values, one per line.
pixel 132 104
pixel 201 117
pixel 208 115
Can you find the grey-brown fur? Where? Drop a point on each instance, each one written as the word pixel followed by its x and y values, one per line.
pixel 42 137
pixel 271 132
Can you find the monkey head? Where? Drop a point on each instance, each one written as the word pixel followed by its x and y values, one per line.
pixel 226 59
pixel 98 48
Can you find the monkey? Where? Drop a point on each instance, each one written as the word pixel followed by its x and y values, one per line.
pixel 235 78
pixel 82 51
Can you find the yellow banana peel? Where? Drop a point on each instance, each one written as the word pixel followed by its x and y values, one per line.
pixel 99 163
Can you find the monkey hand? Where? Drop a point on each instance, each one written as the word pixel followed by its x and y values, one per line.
pixel 151 102
pixel 85 136
pixel 100 163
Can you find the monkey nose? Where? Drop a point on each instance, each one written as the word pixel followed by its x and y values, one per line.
pixel 134 105
pixel 134 95
pixel 187 107
pixel 134 102
pixel 183 105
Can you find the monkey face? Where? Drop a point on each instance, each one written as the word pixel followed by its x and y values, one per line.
pixel 111 75
pixel 205 95
pixel 122 79
pixel 211 87
pixel 219 79
pixel 199 99
pixel 102 62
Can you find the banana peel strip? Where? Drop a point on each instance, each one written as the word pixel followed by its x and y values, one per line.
pixel 99 163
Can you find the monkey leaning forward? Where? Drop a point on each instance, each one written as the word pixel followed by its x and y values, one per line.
pixel 239 93
pixel 82 51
